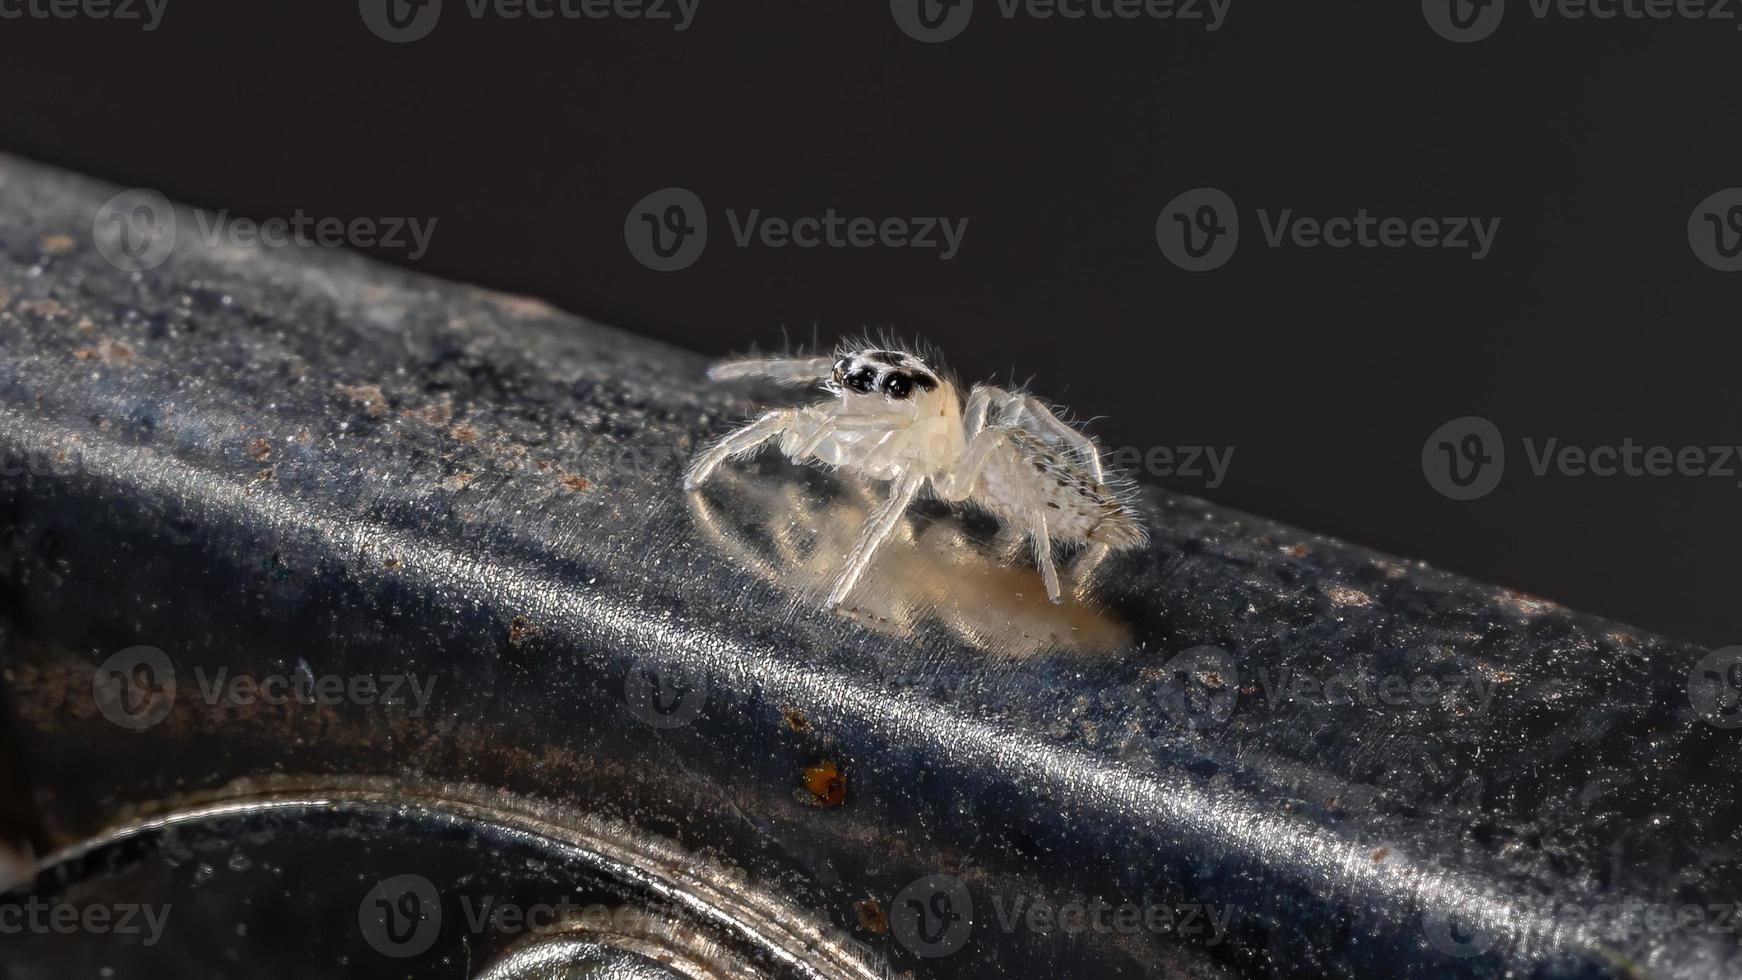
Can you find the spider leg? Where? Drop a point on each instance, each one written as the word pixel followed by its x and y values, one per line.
pixel 1043 556
pixel 781 370
pixel 831 424
pixel 959 481
pixel 742 442
pixel 877 529
pixel 979 402
pixel 1085 566
pixel 1054 426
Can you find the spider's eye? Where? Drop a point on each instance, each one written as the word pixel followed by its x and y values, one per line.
pixel 897 385
pixel 860 379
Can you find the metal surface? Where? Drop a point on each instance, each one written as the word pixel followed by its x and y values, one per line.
pixel 297 464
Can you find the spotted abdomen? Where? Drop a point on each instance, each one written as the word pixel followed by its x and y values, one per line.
pixel 1036 478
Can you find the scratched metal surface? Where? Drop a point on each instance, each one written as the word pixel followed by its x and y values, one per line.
pixel 273 461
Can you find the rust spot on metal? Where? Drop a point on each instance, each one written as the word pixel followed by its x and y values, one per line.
pixel 260 450
pixel 826 783
pixel 576 483
pixel 1344 595
pixel 368 397
pixel 48 309
pixel 871 917
pixel 796 720
pixel 1380 854
pixel 520 630
pixel 108 352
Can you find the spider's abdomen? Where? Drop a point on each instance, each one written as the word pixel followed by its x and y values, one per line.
pixel 1034 477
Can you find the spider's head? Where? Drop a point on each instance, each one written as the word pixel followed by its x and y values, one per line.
pixel 870 377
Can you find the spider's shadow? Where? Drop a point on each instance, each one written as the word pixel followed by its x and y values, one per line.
pixel 792 526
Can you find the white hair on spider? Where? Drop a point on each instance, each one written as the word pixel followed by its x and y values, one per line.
pixel 894 417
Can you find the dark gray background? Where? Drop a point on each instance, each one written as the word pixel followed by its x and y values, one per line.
pixel 1060 141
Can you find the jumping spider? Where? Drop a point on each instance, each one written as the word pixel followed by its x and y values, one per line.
pixel 895 419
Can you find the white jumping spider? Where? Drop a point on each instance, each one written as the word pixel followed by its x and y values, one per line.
pixel 895 419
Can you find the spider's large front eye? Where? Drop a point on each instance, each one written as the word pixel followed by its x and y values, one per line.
pixel 897 385
pixel 860 379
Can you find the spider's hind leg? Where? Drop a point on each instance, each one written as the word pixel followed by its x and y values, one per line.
pixel 1056 427
pixel 1043 557
pixel 1084 567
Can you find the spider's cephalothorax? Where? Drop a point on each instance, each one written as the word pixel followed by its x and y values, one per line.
pixel 896 419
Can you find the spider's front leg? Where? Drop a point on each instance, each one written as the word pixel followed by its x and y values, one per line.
pixel 740 443
pixel 878 527
pixel 780 370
